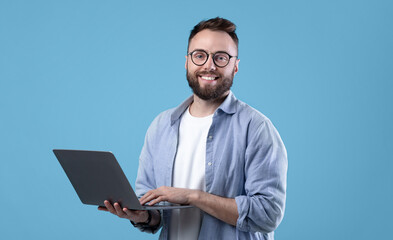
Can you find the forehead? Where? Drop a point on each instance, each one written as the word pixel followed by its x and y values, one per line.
pixel 213 41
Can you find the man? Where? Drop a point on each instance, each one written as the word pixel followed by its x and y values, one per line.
pixel 213 152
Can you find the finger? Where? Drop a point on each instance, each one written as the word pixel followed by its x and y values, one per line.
pixel 145 196
pixel 127 211
pixel 148 199
pixel 157 200
pixel 103 209
pixel 152 195
pixel 119 211
pixel 131 213
pixel 143 199
pixel 109 206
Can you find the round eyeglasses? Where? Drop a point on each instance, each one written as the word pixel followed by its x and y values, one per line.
pixel 220 59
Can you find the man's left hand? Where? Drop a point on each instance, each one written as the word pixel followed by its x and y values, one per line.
pixel 169 194
pixel 222 208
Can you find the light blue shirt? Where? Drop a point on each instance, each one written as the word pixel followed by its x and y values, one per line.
pixel 245 160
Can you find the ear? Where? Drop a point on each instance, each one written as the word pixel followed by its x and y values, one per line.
pixel 185 65
pixel 236 66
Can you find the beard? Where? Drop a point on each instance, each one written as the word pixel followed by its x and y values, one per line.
pixel 224 84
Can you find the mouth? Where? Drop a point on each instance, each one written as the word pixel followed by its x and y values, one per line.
pixel 208 77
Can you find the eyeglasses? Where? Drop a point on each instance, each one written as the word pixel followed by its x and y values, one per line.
pixel 220 59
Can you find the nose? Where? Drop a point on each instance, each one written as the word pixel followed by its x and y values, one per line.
pixel 209 65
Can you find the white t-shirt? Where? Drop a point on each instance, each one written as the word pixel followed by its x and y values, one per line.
pixel 189 172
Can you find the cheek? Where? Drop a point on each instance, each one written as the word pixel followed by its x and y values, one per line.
pixel 193 69
pixel 228 72
pixel 234 71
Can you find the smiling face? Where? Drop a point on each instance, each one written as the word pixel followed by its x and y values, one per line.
pixel 208 81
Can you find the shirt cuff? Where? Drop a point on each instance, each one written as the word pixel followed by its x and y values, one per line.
pixel 243 205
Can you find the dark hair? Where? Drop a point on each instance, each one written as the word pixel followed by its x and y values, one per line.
pixel 215 24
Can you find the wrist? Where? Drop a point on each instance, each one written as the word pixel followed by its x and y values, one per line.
pixel 145 223
pixel 194 197
pixel 148 219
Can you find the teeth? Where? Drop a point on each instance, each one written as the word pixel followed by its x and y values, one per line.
pixel 208 78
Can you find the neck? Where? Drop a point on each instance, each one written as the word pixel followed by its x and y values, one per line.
pixel 203 108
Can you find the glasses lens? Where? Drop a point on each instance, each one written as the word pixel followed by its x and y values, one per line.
pixel 221 59
pixel 199 57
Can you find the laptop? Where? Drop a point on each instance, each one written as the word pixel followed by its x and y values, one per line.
pixel 97 176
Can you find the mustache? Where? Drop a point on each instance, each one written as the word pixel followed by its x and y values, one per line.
pixel 208 72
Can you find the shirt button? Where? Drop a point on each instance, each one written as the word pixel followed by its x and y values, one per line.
pixel 210 137
pixel 209 163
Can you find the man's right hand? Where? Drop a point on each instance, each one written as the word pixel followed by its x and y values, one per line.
pixel 137 216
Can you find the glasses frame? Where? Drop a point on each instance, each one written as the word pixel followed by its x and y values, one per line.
pixel 208 55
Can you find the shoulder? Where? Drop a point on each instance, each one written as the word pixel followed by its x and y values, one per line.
pixel 261 133
pixel 246 113
pixel 168 117
pixel 258 126
pixel 162 120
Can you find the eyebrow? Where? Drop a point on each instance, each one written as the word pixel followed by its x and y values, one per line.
pixel 200 49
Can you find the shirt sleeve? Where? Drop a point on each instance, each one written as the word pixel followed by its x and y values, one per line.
pixel 262 208
pixel 145 180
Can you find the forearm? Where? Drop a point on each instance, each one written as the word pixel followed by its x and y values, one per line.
pixel 222 208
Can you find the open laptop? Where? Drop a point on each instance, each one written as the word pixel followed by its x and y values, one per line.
pixel 97 176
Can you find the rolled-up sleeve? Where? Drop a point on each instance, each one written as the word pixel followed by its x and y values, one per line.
pixel 261 209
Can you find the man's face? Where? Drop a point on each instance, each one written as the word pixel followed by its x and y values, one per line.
pixel 208 81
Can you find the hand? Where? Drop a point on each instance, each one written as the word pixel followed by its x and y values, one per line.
pixel 169 194
pixel 136 216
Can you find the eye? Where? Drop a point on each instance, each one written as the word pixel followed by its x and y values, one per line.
pixel 221 57
pixel 199 55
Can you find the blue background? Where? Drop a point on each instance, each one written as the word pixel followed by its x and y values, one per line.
pixel 94 74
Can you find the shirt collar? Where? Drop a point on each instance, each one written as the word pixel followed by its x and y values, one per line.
pixel 228 106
